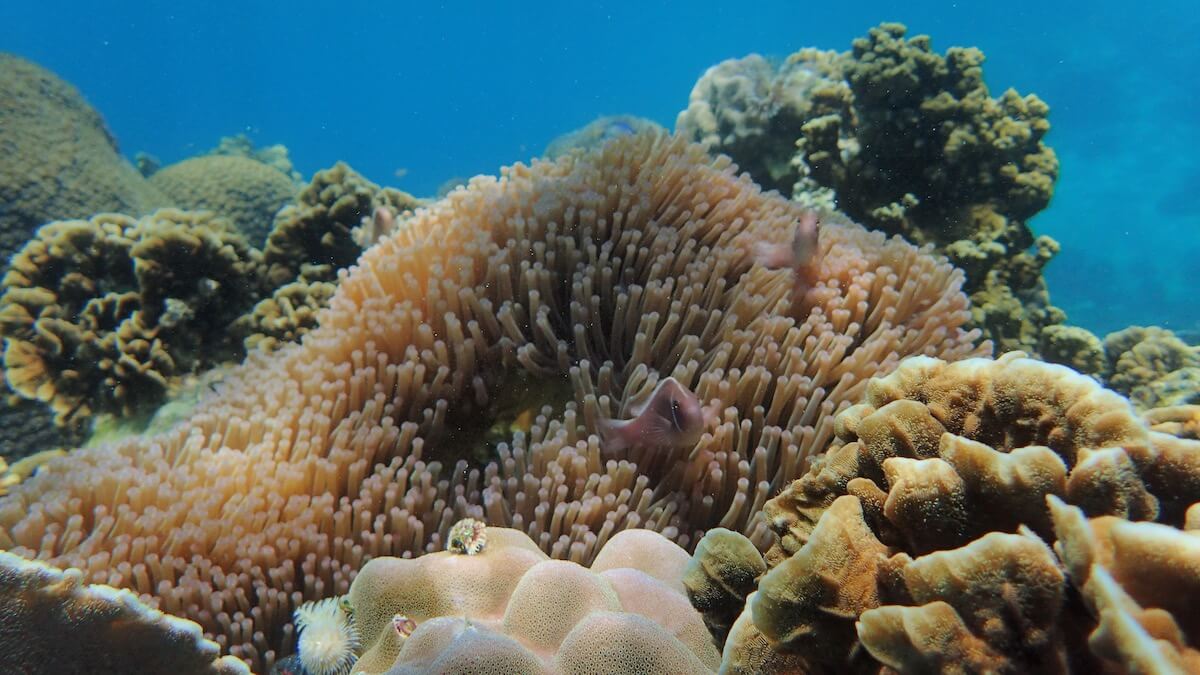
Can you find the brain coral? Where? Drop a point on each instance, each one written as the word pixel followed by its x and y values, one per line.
pixel 244 190
pixel 60 161
pixel 461 370
pixel 904 140
pixel 511 604
pixel 923 534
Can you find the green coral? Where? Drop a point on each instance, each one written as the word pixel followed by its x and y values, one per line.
pixel 908 141
pixel 60 160
pixel 244 190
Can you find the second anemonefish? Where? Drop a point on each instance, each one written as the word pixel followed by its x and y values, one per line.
pixel 671 417
pixel 800 255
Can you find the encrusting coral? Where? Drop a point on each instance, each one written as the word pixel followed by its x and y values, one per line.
pixel 509 608
pixel 922 536
pixel 907 141
pixel 461 371
pixel 99 314
pixel 244 190
pixel 52 622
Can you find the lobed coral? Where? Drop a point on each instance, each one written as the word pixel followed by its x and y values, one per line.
pixel 904 140
pixel 1141 581
pixel 99 314
pixel 241 189
pixel 921 536
pixel 51 622
pixel 508 608
pixel 462 369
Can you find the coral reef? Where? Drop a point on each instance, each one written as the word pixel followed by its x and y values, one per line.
pixel 51 622
pixel 598 132
pixel 314 238
pixel 99 314
pixel 275 156
pixel 461 371
pixel 510 604
pixel 60 160
pixel 754 112
pixel 288 314
pixel 922 535
pixel 244 190
pixel 1153 367
pixel 904 140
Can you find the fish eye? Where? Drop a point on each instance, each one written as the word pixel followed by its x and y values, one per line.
pixel 675 414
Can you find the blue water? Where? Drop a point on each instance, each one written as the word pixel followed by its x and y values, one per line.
pixel 412 97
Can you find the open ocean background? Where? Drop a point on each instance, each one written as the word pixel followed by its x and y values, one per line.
pixel 417 93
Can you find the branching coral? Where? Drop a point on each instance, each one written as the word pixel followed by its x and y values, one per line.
pixel 904 140
pixel 461 370
pixel 51 622
pixel 922 535
pixel 625 614
pixel 244 190
pixel 99 314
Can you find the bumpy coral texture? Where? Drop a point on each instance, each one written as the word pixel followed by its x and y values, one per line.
pixel 52 622
pixel 60 160
pixel 313 238
pixel 753 112
pixel 1153 367
pixel 461 370
pixel 921 536
pixel 907 141
pixel 510 604
pixel 99 314
pixel 244 190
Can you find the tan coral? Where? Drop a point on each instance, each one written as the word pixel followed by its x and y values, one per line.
pixel 991 606
pixel 1153 367
pixel 315 234
pixel 100 314
pixel 552 615
pixel 721 574
pixel 1142 582
pixel 915 507
pixel 53 622
pixel 535 304
pixel 245 191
